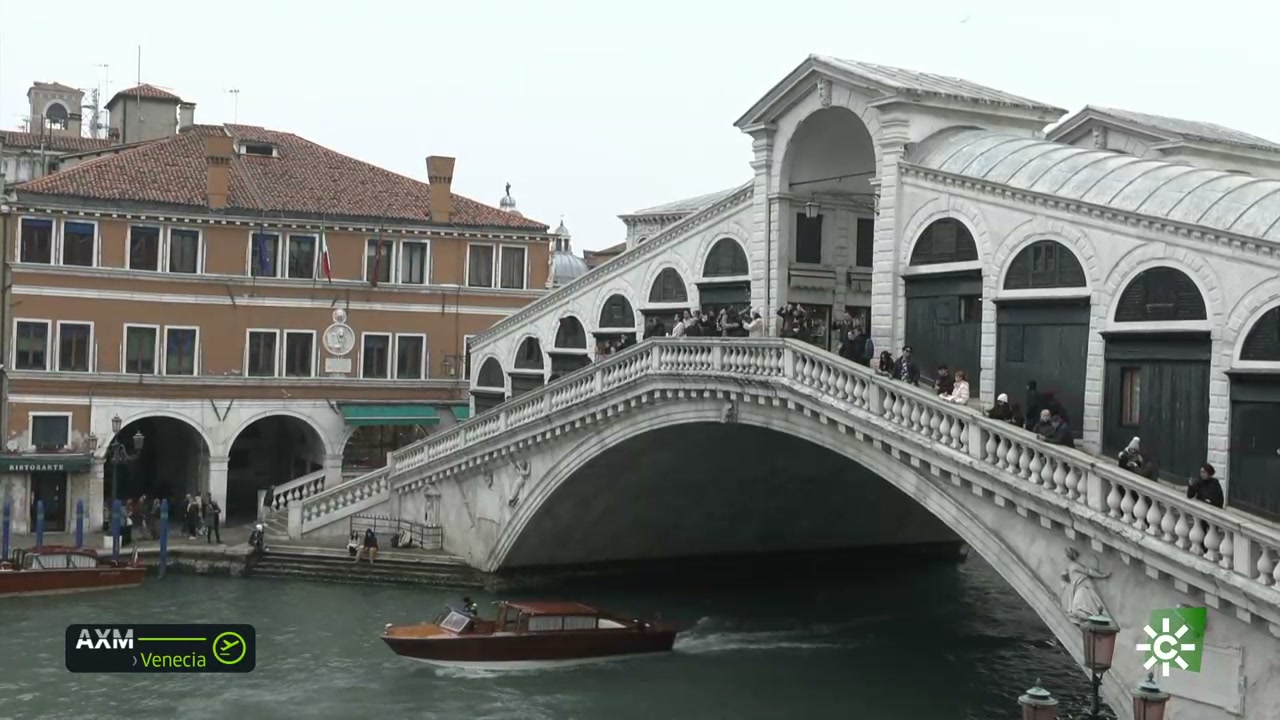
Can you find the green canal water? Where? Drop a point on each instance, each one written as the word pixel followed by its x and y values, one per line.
pixel 935 642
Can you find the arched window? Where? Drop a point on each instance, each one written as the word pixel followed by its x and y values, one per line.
pixel 56 116
pixel 726 259
pixel 668 287
pixel 1263 340
pixel 944 241
pixel 491 375
pixel 529 356
pixel 570 334
pixel 617 313
pixel 1044 264
pixel 1160 294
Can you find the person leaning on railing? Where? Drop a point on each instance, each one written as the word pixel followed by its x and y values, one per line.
pixel 1206 488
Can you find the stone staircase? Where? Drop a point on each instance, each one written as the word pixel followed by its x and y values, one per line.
pixel 391 568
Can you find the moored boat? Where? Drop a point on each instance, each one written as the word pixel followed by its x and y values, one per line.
pixel 527 635
pixel 57 569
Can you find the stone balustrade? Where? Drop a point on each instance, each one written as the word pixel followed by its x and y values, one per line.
pixel 297 489
pixel 1233 541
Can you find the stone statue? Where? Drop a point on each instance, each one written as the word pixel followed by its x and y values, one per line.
pixel 523 470
pixel 508 189
pixel 730 413
pixel 824 92
pixel 1080 600
pixel 488 478
pixel 1100 138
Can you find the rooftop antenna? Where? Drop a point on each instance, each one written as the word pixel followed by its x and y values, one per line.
pixel 235 94
pixel 96 125
pixel 139 84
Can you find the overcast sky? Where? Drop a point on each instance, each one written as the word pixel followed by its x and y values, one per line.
pixel 591 109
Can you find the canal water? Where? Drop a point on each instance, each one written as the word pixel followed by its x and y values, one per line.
pixel 942 640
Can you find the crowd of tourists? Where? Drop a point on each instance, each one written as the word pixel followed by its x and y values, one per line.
pixel 200 517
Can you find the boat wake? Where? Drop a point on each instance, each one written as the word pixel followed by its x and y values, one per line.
pixel 704 638
pixel 466 673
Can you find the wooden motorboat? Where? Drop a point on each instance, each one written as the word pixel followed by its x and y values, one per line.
pixel 527 635
pixel 56 569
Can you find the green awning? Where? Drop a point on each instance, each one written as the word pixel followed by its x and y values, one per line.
pixel 398 414
pixel 461 412
pixel 52 462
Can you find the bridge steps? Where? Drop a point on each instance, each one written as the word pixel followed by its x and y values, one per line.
pixel 334 566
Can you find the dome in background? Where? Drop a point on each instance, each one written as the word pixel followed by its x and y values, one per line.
pixel 565 267
pixel 508 203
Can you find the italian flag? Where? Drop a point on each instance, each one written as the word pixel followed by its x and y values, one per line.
pixel 324 257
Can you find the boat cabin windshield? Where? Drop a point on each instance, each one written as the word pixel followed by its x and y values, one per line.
pixel 454 621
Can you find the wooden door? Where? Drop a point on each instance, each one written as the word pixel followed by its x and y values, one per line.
pixel 944 324
pixel 1157 389
pixel 1047 342
pixel 1255 445
pixel 522 383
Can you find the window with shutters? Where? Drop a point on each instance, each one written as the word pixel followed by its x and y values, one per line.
pixel 184 251
pixel 480 266
pixel 617 313
pixel 1263 340
pixel 945 241
pixel 411 355
pixel 1160 294
pixel 511 275
pixel 1044 264
pixel 75 346
pixel 375 356
pixel 808 239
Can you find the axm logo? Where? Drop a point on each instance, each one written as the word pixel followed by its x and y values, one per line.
pixel 109 639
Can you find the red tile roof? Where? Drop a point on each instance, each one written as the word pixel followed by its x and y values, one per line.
pixel 146 92
pixel 55 143
pixel 304 178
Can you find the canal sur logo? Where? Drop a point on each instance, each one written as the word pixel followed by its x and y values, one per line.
pixel 107 639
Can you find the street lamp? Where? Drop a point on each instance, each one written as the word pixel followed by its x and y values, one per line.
pixel 1038 704
pixel 1099 648
pixel 117 455
pixel 1148 701
pixel 811 209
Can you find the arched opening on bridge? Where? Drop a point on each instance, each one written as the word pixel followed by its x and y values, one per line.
pixel 490 388
pixel 668 299
pixel 726 280
pixel 570 350
pixel 828 222
pixel 617 327
pixel 944 303
pixel 773 492
pixel 1255 420
pixel 173 461
pixel 529 370
pixel 1157 375
pixel 1041 336
pixel 268 452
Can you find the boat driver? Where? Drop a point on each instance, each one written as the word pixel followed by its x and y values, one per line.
pixel 469 606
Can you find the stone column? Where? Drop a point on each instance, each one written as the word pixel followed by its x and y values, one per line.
pixel 886 329
pixel 217 482
pixel 768 279
pixel 97 493
pixel 332 471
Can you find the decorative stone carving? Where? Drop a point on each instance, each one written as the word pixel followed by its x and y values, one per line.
pixel 824 91
pixel 730 413
pixel 523 470
pixel 488 478
pixel 1100 138
pixel 1080 600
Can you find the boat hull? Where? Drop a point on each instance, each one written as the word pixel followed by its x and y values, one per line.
pixel 536 650
pixel 71 580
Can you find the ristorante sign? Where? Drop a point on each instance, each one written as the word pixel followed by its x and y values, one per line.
pixel 43 463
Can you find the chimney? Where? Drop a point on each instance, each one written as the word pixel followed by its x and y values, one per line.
pixel 440 176
pixel 186 116
pixel 218 151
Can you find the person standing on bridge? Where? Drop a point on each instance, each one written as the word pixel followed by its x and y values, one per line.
pixel 959 390
pixel 1207 488
pixel 755 328
pixel 906 369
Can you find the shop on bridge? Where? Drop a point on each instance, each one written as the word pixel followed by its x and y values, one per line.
pixel 943 287
pixel 1157 375
pixel 1255 421
pixel 528 372
pixel 490 387
pixel 668 298
pixel 726 279
pixel 617 325
pixel 570 350
pixel 1044 339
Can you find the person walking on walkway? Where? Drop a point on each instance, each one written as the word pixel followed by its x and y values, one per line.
pixel 211 517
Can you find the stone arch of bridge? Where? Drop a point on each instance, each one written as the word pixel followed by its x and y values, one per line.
pixel 911 482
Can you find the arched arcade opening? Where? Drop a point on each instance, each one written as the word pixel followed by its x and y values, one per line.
pixel 1255 420
pixel 154 457
pixel 570 350
pixel 268 452
pixel 726 280
pixel 829 217
pixel 668 301
pixel 944 305
pixel 528 372
pixel 616 328
pixel 490 388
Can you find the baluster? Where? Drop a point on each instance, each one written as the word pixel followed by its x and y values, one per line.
pixel 916 414
pixel 989 451
pixel 898 404
pixel 888 405
pixel 1024 461
pixel 1154 516
pixel 940 427
pixel 1168 524
pixel 1126 505
pixel 1275 576
pixel 1060 478
pixel 851 389
pixel 811 372
pixel 1115 500
pixel 1196 536
pixel 958 434
pixel 1226 550
pixel 1073 483
pixel 1211 542
pixel 1011 455
pixel 824 379
pixel 1265 566
pixel 1034 468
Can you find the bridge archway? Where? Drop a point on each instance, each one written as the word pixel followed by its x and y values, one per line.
pixel 490 387
pixel 569 351
pixel 538 526
pixel 528 371
pixel 944 300
pixel 267 451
